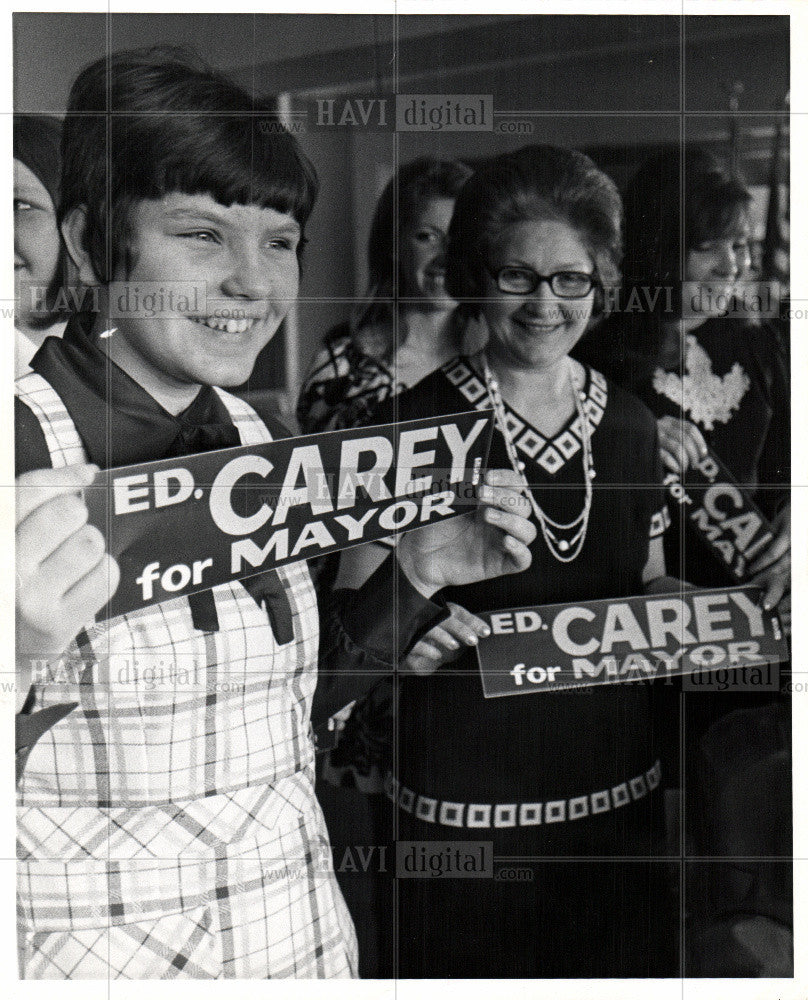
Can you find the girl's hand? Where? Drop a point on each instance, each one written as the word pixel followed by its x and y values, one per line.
pixel 64 573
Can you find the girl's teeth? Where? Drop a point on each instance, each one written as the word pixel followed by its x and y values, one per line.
pixel 228 325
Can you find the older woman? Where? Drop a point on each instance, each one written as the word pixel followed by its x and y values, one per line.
pixel 534 244
pixel 403 329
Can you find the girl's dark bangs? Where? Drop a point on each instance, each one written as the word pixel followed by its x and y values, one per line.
pixel 238 184
pixel 231 161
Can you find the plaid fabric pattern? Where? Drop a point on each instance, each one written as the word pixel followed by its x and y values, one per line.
pixel 179 785
pixel 61 436
pixel 249 893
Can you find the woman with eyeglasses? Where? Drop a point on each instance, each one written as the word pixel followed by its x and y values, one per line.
pixel 550 778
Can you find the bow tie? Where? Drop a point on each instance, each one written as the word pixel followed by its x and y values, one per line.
pixel 194 438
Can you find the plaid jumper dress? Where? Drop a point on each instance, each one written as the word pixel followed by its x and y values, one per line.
pixel 167 827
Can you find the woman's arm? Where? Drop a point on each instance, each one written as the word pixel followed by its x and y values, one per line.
pixel 358 564
pixel 367 630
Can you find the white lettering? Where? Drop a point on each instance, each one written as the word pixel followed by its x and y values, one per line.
pixel 221 496
pixel 126 494
pixel 706 618
pixel 460 447
pixel 371 480
pixel 561 637
pixel 163 497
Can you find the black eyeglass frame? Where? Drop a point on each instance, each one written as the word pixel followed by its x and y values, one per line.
pixel 539 278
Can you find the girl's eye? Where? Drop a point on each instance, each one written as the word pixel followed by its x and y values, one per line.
pixel 426 236
pixel 200 236
pixel 281 243
pixel 20 205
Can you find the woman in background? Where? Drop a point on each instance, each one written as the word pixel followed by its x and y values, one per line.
pixel 715 374
pixel 39 257
pixel 687 342
pixel 403 329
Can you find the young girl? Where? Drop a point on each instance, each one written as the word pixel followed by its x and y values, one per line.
pixel 170 829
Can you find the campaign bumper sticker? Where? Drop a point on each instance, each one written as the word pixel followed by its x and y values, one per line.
pixel 559 647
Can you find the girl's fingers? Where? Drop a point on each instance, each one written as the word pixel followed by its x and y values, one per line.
pixel 94 589
pixel 519 555
pixel 517 528
pixel 505 498
pixel 46 528
pixel 38 487
pixel 775 592
pixel 75 558
pixel 502 477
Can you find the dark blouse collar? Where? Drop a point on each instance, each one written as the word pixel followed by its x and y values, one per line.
pixel 550 453
pixel 118 421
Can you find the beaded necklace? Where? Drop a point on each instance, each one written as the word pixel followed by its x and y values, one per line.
pixel 564 541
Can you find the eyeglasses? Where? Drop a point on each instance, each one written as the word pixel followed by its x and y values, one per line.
pixel 524 281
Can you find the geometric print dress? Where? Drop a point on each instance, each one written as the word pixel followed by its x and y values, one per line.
pixel 168 827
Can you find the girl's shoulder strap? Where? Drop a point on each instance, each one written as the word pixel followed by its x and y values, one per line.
pixel 62 438
pixel 251 428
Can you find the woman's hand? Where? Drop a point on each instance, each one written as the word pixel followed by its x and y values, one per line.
pixel 445 642
pixel 64 574
pixel 492 541
pixel 680 444
pixel 772 568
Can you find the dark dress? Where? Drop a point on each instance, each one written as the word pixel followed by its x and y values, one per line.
pixel 589 918
pixel 734 386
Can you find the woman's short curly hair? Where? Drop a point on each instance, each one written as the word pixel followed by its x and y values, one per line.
pixel 534 183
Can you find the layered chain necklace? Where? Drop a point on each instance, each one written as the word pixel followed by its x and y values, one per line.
pixel 564 541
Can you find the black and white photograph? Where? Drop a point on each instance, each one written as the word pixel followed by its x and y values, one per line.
pixel 402 482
